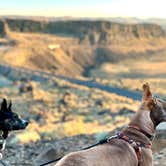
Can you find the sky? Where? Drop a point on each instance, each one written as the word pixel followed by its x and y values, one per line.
pixel 85 8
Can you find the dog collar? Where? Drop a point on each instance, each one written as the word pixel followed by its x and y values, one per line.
pixel 151 137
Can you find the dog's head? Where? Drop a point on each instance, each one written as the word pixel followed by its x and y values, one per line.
pixel 156 105
pixel 9 120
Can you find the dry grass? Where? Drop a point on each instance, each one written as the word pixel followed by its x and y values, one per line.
pixel 43 103
pixel 33 51
pixel 141 45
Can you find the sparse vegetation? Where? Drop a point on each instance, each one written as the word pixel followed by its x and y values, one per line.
pixel 63 110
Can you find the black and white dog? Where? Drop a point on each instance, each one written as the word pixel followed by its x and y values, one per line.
pixel 9 120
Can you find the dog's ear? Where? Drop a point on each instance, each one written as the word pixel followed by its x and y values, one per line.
pixel 4 105
pixel 10 106
pixel 146 92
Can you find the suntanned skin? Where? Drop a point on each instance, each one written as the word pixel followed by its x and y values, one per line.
pixel 118 152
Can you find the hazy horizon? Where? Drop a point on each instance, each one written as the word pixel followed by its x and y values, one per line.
pixel 79 8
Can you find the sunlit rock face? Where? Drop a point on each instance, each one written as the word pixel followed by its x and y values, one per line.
pixel 93 32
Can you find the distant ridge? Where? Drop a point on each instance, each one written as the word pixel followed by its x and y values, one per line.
pixel 125 20
pixel 88 31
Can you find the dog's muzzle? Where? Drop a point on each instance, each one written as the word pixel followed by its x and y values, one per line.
pixel 18 125
pixel 24 124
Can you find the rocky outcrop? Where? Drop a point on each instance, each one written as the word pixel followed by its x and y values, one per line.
pixel 93 32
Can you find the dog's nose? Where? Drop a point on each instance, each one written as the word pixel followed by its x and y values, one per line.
pixel 25 122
